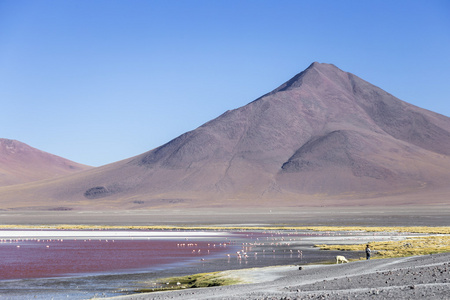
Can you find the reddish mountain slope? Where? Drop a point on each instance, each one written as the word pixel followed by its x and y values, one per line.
pixel 323 135
pixel 20 163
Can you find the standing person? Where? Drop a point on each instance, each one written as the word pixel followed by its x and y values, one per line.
pixel 368 252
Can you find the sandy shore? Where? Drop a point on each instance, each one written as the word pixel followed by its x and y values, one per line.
pixel 417 277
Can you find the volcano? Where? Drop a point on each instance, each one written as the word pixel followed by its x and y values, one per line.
pixel 324 135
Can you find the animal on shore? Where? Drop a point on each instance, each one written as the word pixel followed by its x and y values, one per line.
pixel 341 258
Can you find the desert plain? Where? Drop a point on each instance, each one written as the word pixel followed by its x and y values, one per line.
pixel 370 215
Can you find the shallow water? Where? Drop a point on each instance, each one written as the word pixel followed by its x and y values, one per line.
pixel 45 258
pixel 84 264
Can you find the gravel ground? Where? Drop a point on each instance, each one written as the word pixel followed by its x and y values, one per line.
pixel 417 277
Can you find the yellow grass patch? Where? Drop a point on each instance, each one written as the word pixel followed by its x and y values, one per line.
pixel 409 247
pixel 404 229
pixel 192 281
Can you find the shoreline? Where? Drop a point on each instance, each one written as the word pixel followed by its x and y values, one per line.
pixel 268 275
pixel 123 282
pixel 423 276
pixel 15 228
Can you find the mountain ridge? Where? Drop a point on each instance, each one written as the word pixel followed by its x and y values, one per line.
pixel 21 163
pixel 324 134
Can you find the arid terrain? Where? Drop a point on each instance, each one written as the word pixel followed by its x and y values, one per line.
pixel 411 215
pixel 20 163
pixel 325 138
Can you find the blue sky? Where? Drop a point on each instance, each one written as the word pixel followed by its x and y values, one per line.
pixel 100 81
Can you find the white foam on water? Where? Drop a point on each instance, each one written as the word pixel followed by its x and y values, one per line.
pixel 105 234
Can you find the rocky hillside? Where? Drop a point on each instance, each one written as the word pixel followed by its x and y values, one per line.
pixel 324 134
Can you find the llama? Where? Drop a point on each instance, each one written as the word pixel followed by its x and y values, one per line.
pixel 341 259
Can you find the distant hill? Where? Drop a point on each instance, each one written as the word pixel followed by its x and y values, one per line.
pixel 20 163
pixel 325 137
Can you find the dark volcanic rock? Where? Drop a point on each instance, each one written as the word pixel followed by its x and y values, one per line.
pixel 97 192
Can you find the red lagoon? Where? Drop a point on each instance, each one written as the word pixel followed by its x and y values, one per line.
pixel 50 253
pixel 45 264
pixel 46 257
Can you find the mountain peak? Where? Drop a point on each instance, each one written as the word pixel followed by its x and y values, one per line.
pixel 320 65
pixel 325 134
pixel 20 163
pixel 313 75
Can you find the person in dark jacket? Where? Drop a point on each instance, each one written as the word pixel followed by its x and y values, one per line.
pixel 368 252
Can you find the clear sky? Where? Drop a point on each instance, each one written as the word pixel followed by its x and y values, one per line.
pixel 100 81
